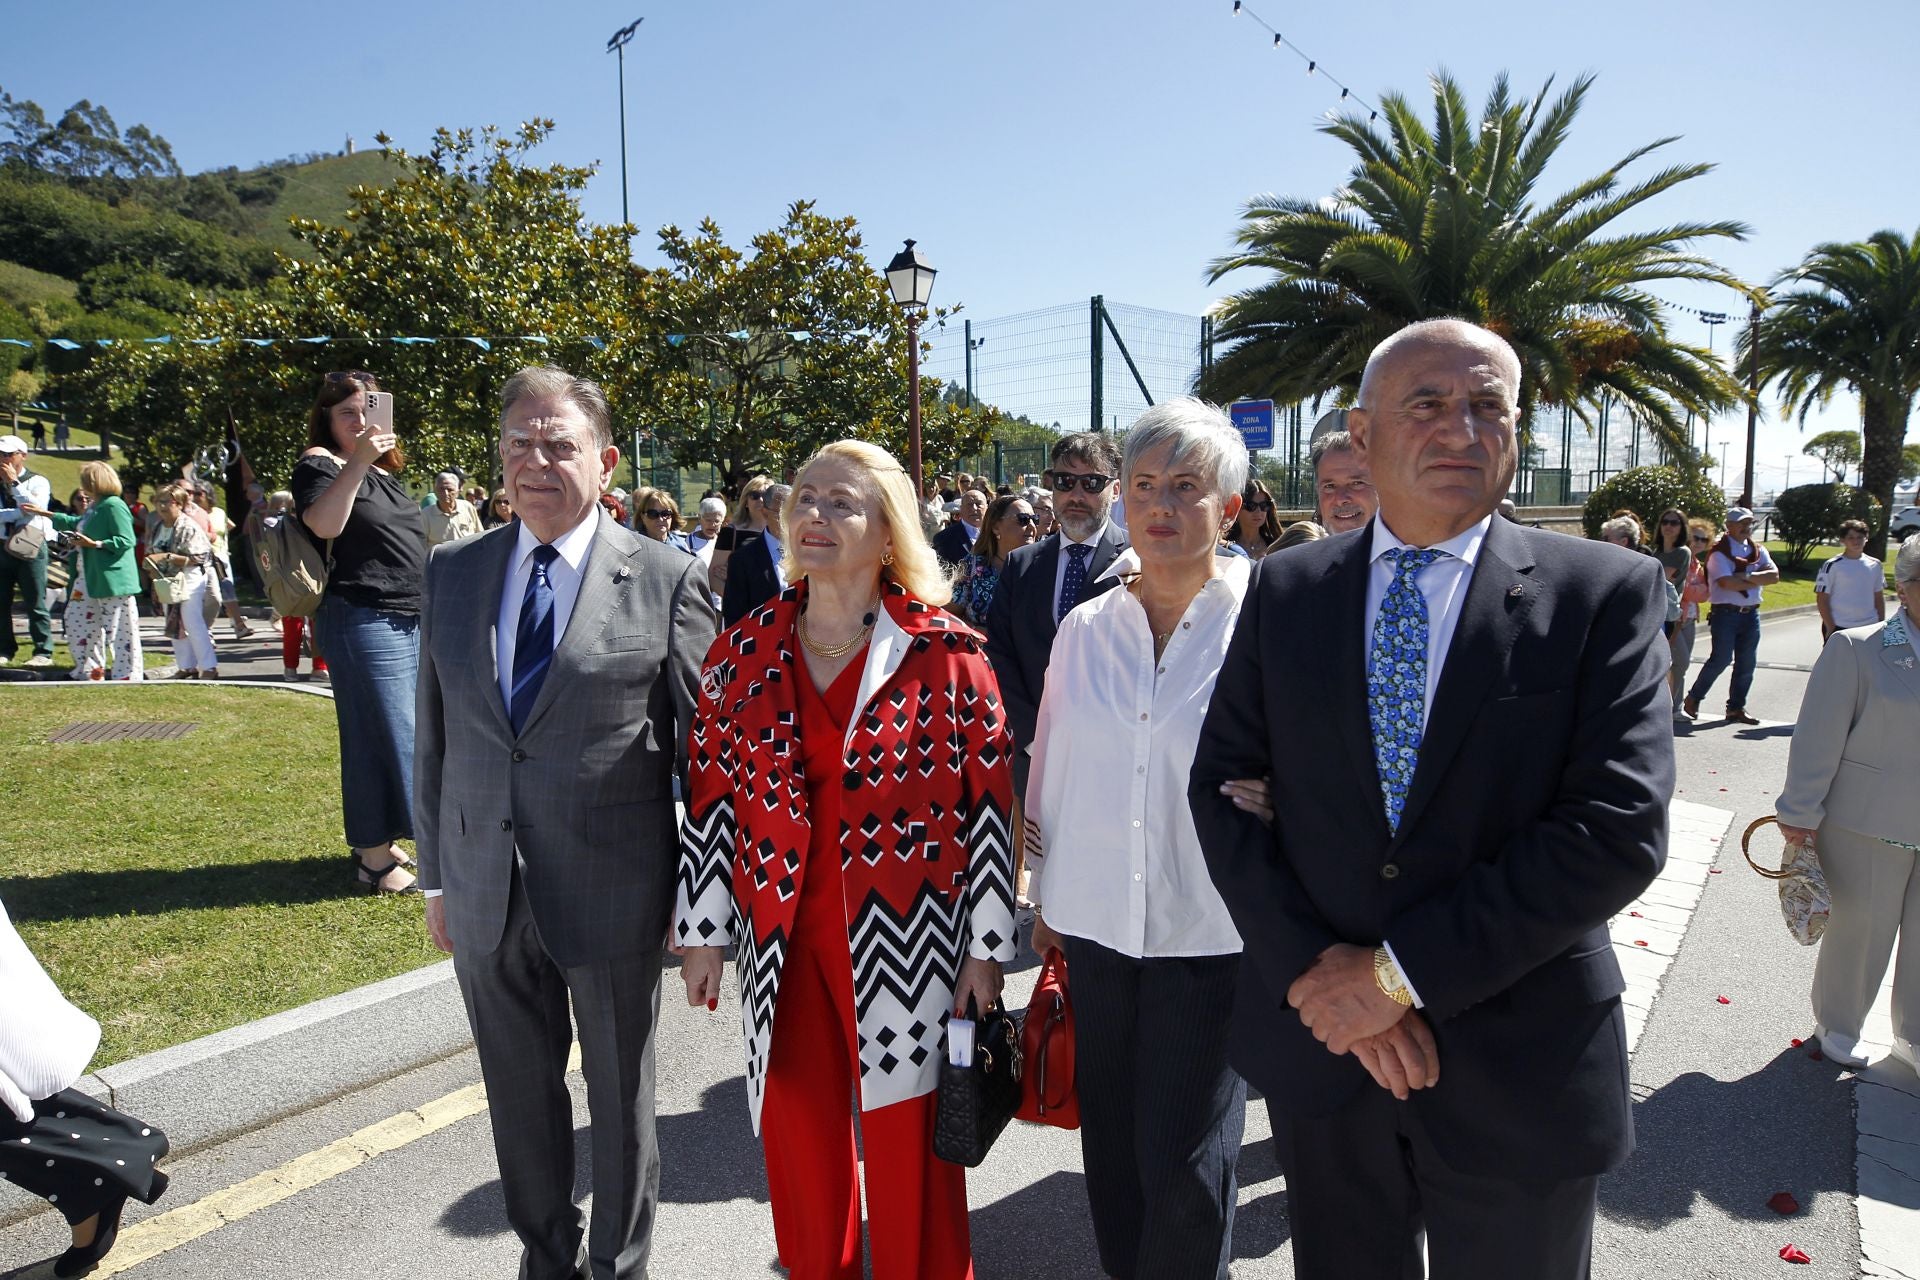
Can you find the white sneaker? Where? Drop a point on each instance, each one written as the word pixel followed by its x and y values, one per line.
pixel 1844 1050
pixel 39 660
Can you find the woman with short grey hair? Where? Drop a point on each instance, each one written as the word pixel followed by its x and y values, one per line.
pixel 1859 719
pixel 1119 881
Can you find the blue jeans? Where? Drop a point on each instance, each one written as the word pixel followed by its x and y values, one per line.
pixel 374 658
pixel 1736 640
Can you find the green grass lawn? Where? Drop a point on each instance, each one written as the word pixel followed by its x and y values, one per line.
pixel 177 888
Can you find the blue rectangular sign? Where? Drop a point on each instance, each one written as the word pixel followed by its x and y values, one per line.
pixel 1253 419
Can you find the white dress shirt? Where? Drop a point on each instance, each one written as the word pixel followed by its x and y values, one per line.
pixel 777 550
pixel 1060 570
pixel 1113 747
pixel 563 575
pixel 1443 585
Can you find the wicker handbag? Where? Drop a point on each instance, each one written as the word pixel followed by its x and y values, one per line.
pixel 1804 900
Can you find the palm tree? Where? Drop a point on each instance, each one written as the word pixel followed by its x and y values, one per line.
pixel 1448 221
pixel 1853 321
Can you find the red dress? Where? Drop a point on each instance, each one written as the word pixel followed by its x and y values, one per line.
pixel 917 1203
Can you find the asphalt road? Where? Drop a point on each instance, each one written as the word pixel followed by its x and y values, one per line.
pixel 1729 1112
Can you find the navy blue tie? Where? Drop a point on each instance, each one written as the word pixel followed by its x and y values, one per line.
pixel 533 639
pixel 1074 581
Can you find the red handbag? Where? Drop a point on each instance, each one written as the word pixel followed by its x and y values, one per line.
pixel 1046 1042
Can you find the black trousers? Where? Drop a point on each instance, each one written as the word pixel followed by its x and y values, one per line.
pixel 1161 1112
pixel 80 1155
pixel 517 998
pixel 1364 1181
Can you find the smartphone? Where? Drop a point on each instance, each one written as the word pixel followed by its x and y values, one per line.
pixel 380 410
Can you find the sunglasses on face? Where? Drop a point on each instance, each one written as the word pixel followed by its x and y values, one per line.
pixel 1026 517
pixel 1674 523
pixel 1063 481
pixel 1259 504
pixel 654 513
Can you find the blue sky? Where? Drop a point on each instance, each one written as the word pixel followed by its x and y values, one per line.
pixel 1040 150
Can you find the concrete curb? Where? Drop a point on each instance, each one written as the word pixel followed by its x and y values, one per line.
pixel 208 1090
pixel 315 690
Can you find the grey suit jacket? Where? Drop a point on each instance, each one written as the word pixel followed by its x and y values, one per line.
pixel 585 791
pixel 1857 736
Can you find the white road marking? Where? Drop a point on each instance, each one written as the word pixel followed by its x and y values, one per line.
pixel 1886 1161
pixel 1648 934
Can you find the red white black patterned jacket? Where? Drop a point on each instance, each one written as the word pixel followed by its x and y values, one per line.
pixel 924 844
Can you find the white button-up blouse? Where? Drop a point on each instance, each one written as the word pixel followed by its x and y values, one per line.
pixel 1112 751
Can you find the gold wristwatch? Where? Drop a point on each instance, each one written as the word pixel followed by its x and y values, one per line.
pixel 1386 976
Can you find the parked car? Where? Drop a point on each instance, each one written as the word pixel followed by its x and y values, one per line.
pixel 1905 521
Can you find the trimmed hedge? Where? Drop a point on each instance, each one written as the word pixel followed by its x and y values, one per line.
pixel 1647 491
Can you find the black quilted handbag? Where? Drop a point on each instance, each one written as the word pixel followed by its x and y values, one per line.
pixel 975 1103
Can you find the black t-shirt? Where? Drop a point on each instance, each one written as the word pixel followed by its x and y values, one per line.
pixel 380 557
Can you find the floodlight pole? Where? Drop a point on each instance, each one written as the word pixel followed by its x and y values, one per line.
pixel 617 46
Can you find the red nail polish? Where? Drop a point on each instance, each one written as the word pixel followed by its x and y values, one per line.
pixel 713 1004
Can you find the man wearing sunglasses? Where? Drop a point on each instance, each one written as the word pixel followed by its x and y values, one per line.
pixel 1042 582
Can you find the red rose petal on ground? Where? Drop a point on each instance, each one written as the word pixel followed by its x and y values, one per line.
pixel 1639 942
pixel 1818 1056
pixel 1635 914
pixel 1797 1042
pixel 1794 1253
pixel 1783 1203
pixel 1722 1000
pixel 1713 871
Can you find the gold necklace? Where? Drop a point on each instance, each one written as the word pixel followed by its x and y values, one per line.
pixel 838 650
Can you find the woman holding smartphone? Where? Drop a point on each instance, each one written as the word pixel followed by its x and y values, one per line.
pixel 347 492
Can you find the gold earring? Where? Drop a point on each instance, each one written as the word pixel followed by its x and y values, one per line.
pixel 887 560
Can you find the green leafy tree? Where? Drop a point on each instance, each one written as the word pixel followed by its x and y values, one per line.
pixel 1450 219
pixel 757 357
pixel 1809 514
pixel 1849 317
pixel 470 242
pixel 1910 462
pixel 1838 451
pixel 83 143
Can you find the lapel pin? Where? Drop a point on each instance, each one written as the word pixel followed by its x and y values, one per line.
pixel 624 573
pixel 1516 591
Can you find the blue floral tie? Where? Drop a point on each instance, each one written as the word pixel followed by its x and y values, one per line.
pixel 1074 581
pixel 1397 679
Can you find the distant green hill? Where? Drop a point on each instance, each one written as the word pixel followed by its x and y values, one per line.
pixel 318 189
pixel 24 287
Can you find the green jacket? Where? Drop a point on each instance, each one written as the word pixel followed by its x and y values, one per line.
pixel 110 568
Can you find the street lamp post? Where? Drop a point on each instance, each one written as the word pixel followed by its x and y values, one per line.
pixel 910 280
pixel 617 46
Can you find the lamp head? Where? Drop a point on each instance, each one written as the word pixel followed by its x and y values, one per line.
pixel 910 279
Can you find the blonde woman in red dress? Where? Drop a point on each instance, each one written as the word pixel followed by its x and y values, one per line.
pixel 847 831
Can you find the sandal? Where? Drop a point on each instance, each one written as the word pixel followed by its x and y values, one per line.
pixel 376 875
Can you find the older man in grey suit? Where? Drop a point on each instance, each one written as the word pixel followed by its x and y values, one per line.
pixel 559 658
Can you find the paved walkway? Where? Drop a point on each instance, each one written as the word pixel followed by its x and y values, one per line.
pixel 398 1179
